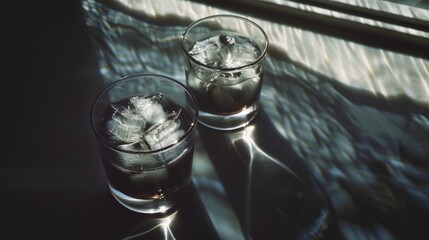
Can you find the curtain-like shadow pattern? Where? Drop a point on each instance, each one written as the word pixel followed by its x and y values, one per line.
pixel 321 153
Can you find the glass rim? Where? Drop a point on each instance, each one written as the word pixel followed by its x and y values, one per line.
pixel 127 78
pixel 257 60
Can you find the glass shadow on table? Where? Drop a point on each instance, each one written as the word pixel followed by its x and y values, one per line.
pixel 272 193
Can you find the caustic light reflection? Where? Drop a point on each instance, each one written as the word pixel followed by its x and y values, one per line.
pixel 254 149
pixel 162 225
pixel 276 189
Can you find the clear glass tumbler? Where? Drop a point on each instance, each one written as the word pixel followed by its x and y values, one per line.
pixel 223 63
pixel 145 129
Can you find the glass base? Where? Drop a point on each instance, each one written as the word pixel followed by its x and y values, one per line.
pixel 228 122
pixel 148 206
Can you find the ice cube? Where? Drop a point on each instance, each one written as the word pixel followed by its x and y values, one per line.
pixel 136 160
pixel 214 51
pixel 125 124
pixel 138 145
pixel 236 96
pixel 207 51
pixel 200 80
pixel 245 51
pixel 126 116
pixel 152 108
pixel 225 51
pixel 166 133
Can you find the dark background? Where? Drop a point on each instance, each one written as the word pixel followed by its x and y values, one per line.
pixel 49 159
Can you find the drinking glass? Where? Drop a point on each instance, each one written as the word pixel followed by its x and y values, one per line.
pixel 224 69
pixel 145 129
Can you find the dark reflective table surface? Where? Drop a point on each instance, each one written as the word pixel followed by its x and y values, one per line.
pixel 339 149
